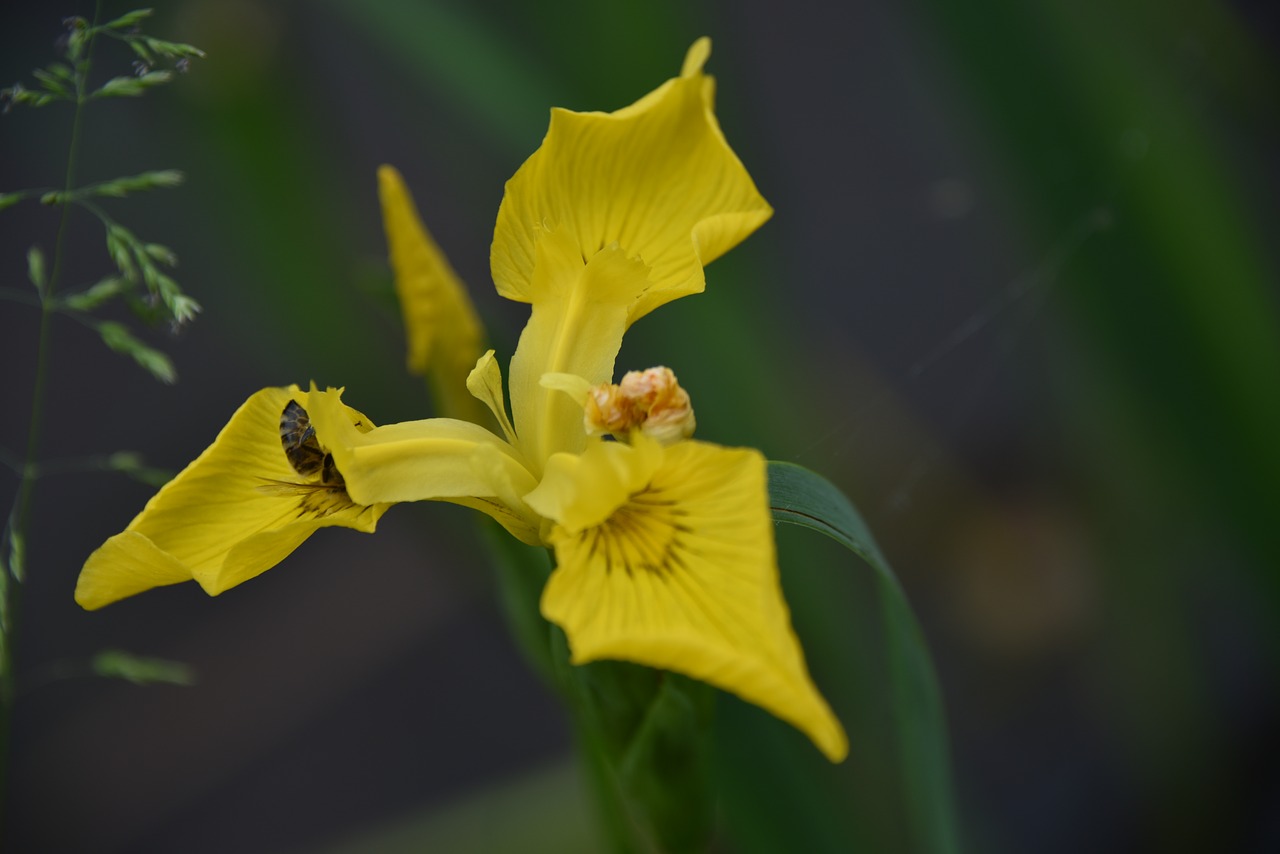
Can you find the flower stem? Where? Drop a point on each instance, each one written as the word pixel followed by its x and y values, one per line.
pixel 13 543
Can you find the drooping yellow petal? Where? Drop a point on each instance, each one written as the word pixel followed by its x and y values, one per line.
pixel 235 512
pixel 444 332
pixel 437 459
pixel 575 327
pixel 666 558
pixel 656 178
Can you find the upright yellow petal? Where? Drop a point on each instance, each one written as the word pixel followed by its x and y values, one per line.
pixel 235 512
pixel 575 328
pixel 665 557
pixel 656 178
pixel 444 332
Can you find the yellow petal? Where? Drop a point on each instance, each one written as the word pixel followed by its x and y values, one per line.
pixel 443 330
pixel 678 573
pixel 126 564
pixel 485 384
pixel 232 514
pixel 571 384
pixel 575 328
pixel 435 459
pixel 657 178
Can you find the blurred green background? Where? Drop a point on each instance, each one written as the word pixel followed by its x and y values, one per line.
pixel 1018 299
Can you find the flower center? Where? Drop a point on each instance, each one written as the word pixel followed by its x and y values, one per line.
pixel 643 534
pixel 651 401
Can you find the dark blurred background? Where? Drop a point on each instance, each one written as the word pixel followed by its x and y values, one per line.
pixel 1018 300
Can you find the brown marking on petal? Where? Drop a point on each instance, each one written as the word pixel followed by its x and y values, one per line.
pixel 645 534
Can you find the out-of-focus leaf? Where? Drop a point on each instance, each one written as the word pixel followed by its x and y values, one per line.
pixel 1179 304
pixel 801 497
pixel 119 338
pixel 477 66
pixel 128 20
pixel 36 269
pixel 118 664
pixel 131 87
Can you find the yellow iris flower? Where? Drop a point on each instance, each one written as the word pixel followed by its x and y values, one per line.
pixel 664 549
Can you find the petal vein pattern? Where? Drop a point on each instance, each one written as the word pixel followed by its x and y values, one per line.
pixel 575 327
pixel 656 178
pixel 678 572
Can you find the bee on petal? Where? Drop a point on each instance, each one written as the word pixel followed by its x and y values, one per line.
pixel 303 449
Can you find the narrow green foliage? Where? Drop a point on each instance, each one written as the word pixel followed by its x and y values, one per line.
pixel 95 295
pixel 133 465
pixel 139 266
pixel 54 84
pixel 119 338
pixel 119 241
pixel 183 308
pixel 128 20
pixel 118 664
pixel 167 50
pixel 19 94
pixel 161 253
pixel 131 87
pixel 79 37
pixel 17 555
pixel 62 82
pixel 4 600
pixel 118 188
pixel 801 497
pixel 36 272
pixel 137 263
pixel 147 48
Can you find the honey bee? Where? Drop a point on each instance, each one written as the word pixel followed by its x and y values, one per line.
pixel 302 448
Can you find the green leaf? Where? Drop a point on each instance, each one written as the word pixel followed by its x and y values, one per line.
pixel 77 38
pixel 17 556
pixel 119 338
pixel 132 87
pixel 173 50
pixel 182 307
pixel 10 199
pixel 449 48
pixel 121 187
pixel 120 242
pixel 53 84
pixel 135 466
pixel 801 497
pixel 36 269
pixel 161 253
pixel 94 296
pixel 118 664
pixel 141 50
pixel 128 19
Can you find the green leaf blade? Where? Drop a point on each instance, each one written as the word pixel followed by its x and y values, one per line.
pixel 801 497
pixel 141 670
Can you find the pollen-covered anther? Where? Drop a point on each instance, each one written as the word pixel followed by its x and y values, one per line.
pixel 651 401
